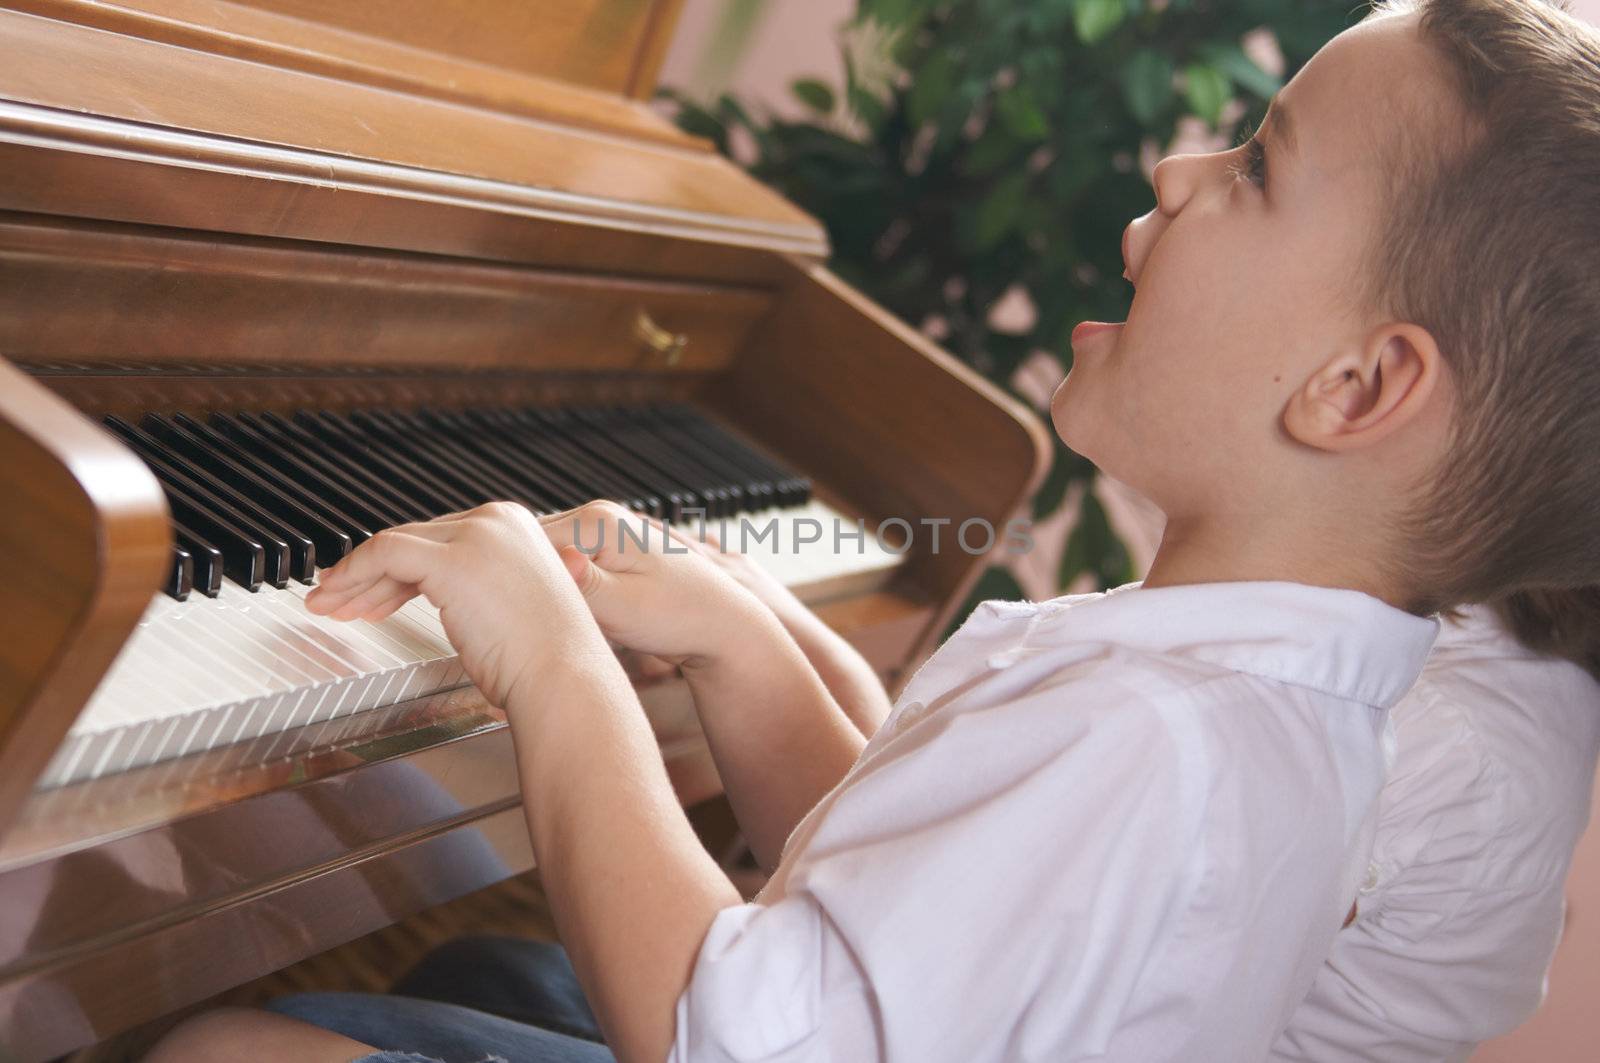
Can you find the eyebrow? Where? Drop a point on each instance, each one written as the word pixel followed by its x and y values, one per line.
pixel 1278 126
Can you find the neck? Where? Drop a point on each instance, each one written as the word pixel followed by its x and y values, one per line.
pixel 1221 551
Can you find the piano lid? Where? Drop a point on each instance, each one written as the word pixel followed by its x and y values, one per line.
pixel 368 123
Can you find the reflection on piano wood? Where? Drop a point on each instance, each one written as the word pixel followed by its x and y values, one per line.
pixel 274 277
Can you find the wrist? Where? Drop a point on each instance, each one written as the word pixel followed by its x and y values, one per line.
pixel 744 625
pixel 577 646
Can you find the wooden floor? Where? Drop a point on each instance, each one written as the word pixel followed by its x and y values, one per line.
pixel 515 907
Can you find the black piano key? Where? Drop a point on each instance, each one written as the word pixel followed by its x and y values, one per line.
pixel 758 493
pixel 507 447
pixel 180 576
pixel 353 486
pixel 437 497
pixel 598 441
pixel 516 442
pixel 614 437
pixel 484 474
pixel 549 432
pixel 444 458
pixel 243 559
pixel 289 554
pixel 497 454
pixel 328 542
pixel 373 516
pixel 205 559
pixel 692 426
pixel 622 437
pixel 797 488
pixel 723 497
pixel 407 506
pixel 792 489
pixel 594 478
pixel 573 440
pixel 418 452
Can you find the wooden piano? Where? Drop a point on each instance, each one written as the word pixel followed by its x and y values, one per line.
pixel 254 252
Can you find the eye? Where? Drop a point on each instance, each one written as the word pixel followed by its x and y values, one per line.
pixel 1253 167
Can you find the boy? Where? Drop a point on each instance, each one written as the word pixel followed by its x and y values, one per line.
pixel 1358 378
pixel 1487 793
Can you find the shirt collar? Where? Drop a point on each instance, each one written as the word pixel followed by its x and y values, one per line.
pixel 1340 642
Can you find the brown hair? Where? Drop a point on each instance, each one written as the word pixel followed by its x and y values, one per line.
pixel 1492 243
pixel 1563 623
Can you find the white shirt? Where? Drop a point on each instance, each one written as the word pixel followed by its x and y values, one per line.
pixel 1463 907
pixel 1120 827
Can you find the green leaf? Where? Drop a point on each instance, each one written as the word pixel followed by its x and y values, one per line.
pixel 931 88
pixel 814 94
pixel 892 12
pixel 1206 89
pixel 1147 84
pixel 1095 19
pixel 867 107
pixel 1021 114
pixel 1086 544
pixel 1002 354
pixel 1073 172
pixel 697 121
pixel 993 148
pixel 1232 61
pixel 1000 210
pixel 996 582
pixel 1053 491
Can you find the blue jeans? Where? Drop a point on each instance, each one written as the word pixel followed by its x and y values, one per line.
pixel 468 1001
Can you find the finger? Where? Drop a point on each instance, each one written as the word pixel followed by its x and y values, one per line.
pixel 595 530
pixel 701 543
pixel 648 666
pixel 439 529
pixel 375 595
pixel 385 609
pixel 590 577
pixel 598 506
pixel 394 553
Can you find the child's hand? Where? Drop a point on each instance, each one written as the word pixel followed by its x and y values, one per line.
pixel 666 598
pixel 503 594
pixel 766 587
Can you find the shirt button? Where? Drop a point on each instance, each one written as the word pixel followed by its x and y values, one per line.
pixel 909 714
pixel 1371 882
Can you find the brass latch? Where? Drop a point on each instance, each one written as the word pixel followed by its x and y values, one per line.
pixel 669 345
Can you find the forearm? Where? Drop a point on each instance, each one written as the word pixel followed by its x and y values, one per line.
pixel 779 739
pixel 632 889
pixel 847 675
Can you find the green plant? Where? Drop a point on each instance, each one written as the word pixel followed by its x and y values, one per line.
pixel 1002 154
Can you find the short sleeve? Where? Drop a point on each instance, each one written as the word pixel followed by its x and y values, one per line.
pixel 988 884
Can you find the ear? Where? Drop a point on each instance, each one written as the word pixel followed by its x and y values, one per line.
pixel 1361 396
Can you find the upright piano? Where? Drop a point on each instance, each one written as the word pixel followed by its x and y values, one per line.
pixel 276 274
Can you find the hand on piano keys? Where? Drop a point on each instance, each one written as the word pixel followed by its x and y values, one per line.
pixel 260 502
pixel 520 596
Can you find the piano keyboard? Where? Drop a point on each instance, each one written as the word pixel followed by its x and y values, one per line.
pixel 260 501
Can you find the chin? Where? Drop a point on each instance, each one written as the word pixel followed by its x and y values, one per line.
pixel 1080 422
pixel 1069 414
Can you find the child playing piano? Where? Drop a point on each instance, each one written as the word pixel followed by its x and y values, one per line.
pixel 1360 378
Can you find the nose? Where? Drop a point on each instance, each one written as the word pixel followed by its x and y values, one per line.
pixel 1176 178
